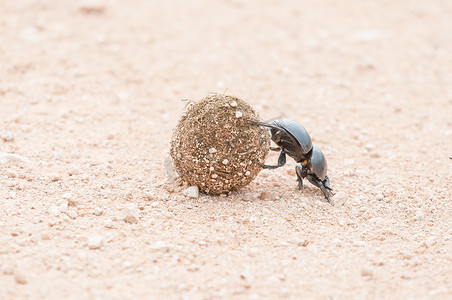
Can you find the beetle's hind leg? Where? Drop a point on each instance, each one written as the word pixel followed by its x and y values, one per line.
pixel 301 173
pixel 281 162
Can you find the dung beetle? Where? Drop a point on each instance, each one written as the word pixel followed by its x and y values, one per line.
pixel 293 139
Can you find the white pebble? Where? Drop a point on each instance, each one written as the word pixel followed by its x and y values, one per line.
pixel 380 196
pixel 369 147
pixel 339 199
pixel 68 196
pixel 419 215
pixel 130 213
pixel 7 136
pixel 11 158
pixel 247 173
pixel 160 246
pixel 299 242
pixel 214 176
pixel 73 171
pixel 366 36
pixel 367 272
pixel 169 168
pixel 20 278
pixel 54 177
pixel 108 223
pixel 225 161
pixel 245 275
pixel 191 192
pixel 212 150
pixel 55 210
pixel 233 104
pixel 337 242
pixel 359 243
pixel 63 205
pixel 238 114
pixel 95 7
pixel 98 211
pixel 72 214
pixel 95 242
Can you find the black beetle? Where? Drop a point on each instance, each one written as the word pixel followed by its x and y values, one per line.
pixel 293 139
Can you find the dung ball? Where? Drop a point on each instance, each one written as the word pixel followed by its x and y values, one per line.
pixel 215 147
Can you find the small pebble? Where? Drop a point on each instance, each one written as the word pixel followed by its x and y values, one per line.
pixel 73 171
pixel 359 243
pixel 367 273
pixel 169 169
pixel 238 114
pixel 247 276
pixel 337 242
pixel 11 174
pixel 212 150
pixel 54 177
pixel 130 213
pixel 7 158
pixel 63 205
pixel 299 242
pixel 20 278
pixel 339 199
pixel 419 215
pixel 366 36
pixel 160 246
pixel 191 192
pixel 108 223
pixel 54 210
pixel 70 199
pixel 98 211
pixel 7 136
pixel 225 161
pixel 7 270
pixel 95 242
pixel 72 214
pixel 92 7
pixel 379 196
pixel 369 147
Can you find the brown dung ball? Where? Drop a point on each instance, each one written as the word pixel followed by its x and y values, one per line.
pixel 214 146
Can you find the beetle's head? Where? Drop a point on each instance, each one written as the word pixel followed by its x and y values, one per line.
pixel 276 135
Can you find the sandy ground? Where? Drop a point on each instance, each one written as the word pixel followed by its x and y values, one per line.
pixel 90 92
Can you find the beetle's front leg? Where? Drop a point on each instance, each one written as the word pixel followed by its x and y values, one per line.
pixel 281 162
pixel 326 183
pixel 318 183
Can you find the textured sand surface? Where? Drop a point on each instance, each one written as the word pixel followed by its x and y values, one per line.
pixel 91 90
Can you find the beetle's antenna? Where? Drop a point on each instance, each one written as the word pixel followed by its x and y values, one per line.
pixel 274 118
pixel 189 101
pixel 263 124
pixel 228 89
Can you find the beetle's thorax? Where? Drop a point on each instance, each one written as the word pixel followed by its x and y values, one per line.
pixel 304 159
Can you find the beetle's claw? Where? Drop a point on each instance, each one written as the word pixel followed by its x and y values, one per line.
pixel 300 185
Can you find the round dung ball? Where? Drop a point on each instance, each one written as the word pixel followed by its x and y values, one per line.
pixel 215 147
